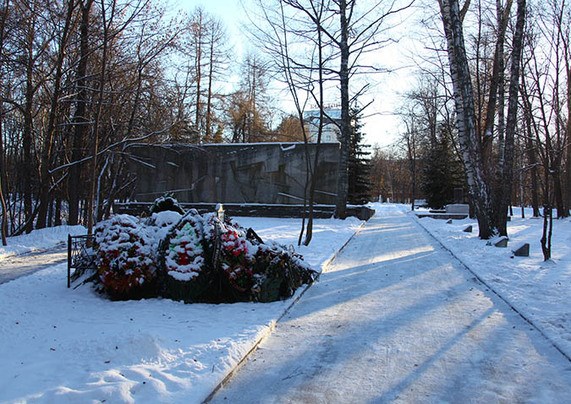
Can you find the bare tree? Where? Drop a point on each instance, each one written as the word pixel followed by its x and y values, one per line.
pixel 358 34
pixel 503 191
pixel 349 31
pixel 76 84
pixel 4 225
pixel 410 141
pixel 50 133
pixel 543 87
pixel 80 119
pixel 468 138
pixel 249 111
pixel 297 46
pixel 490 199
pixel 204 47
pixel 218 60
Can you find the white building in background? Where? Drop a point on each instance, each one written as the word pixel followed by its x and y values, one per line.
pixel 330 132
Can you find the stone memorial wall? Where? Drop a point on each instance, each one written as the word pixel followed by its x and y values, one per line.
pixel 265 173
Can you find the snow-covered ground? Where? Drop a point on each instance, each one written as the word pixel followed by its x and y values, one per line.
pixel 539 290
pixel 396 319
pixel 39 240
pixel 66 345
pixel 60 345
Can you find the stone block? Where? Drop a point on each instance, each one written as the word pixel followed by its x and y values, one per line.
pixel 502 243
pixel 449 221
pixel 458 208
pixel 468 229
pixel 522 251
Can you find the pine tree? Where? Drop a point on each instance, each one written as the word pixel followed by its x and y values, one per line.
pixel 442 173
pixel 359 167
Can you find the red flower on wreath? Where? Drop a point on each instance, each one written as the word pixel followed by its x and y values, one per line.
pixel 233 243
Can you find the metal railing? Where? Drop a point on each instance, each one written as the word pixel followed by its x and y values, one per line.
pixel 79 254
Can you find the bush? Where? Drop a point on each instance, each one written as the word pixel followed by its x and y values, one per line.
pixel 229 252
pixel 278 272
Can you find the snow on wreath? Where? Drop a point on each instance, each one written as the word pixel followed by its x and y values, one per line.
pixel 190 257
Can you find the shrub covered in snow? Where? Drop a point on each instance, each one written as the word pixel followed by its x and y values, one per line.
pixel 184 253
pixel 194 258
pixel 125 258
pixel 229 248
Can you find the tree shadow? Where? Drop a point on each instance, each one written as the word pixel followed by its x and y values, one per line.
pixel 396 319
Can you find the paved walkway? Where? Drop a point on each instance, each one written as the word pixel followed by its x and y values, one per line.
pixel 26 264
pixel 397 319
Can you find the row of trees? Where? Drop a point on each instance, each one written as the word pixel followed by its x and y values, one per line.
pixel 495 110
pixel 83 80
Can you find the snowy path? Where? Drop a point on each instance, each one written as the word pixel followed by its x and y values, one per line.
pixel 14 267
pixel 396 318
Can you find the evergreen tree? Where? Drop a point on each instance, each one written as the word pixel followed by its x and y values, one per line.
pixel 359 167
pixel 442 173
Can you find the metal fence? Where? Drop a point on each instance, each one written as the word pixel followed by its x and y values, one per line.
pixel 79 254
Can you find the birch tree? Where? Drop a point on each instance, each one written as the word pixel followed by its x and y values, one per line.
pixel 468 139
pixel 490 197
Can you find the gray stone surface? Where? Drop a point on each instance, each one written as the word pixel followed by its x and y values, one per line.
pixel 502 243
pixel 463 208
pixel 522 251
pixel 270 173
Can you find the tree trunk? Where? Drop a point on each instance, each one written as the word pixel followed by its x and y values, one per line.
pixel 531 150
pixel 496 93
pixel 469 143
pixel 198 66
pixel 558 193
pixel 208 129
pixel 568 149
pixel 80 117
pixel 567 190
pixel 4 223
pixel 342 177
pixel 547 226
pixel 28 129
pixel 313 168
pixel 4 227
pixel 45 177
pixel 57 213
pixel 93 201
pixel 504 191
